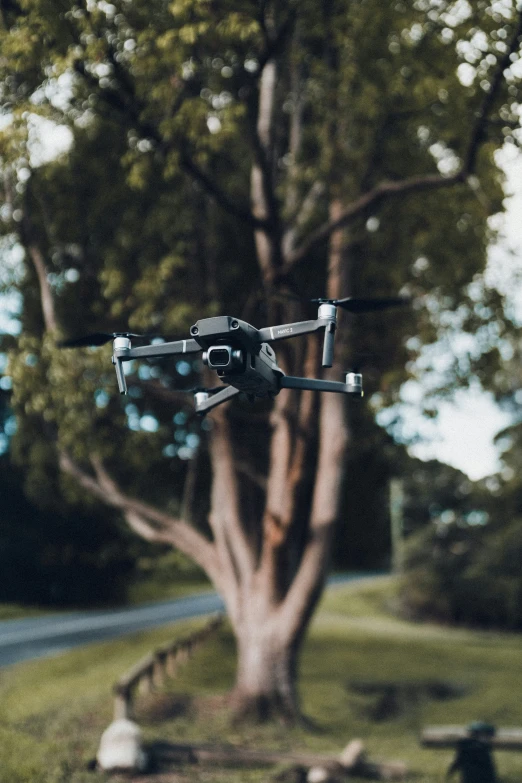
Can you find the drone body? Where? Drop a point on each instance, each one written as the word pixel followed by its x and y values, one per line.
pixel 233 349
pixel 242 356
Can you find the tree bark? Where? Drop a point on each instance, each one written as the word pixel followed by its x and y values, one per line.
pixel 266 663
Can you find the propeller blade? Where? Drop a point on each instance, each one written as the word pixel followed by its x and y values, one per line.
pixel 99 338
pixel 355 305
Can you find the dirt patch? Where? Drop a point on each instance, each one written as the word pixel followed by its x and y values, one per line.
pixel 205 707
pixel 382 700
pixel 159 707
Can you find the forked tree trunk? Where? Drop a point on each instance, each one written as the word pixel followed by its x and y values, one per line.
pixel 270 581
pixel 270 613
pixel 266 671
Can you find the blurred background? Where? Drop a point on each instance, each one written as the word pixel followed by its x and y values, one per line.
pixel 128 139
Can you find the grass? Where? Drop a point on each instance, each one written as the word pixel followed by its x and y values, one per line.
pixel 53 712
pixel 17 611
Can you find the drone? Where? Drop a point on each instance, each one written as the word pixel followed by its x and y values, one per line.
pixel 242 356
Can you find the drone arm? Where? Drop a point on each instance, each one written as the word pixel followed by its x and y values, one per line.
pixel 326 319
pixel 122 352
pixel 216 399
pixel 163 349
pixel 281 332
pixel 313 384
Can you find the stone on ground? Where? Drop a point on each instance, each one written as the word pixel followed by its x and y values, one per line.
pixel 121 747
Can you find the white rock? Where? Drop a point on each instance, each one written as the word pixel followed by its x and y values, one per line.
pixel 352 753
pixel 317 775
pixel 121 747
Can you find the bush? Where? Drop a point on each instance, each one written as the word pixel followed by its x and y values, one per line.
pixel 48 557
pixel 465 574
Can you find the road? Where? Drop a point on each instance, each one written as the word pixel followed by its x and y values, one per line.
pixel 40 637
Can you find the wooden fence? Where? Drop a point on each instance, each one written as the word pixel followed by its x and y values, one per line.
pixel 152 670
pixel 449 736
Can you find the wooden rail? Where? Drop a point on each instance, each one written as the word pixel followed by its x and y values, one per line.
pixel 152 670
pixel 352 761
pixel 448 737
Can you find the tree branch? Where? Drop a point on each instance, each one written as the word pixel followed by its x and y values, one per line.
pixel 264 199
pixel 276 41
pixel 256 478
pixel 265 205
pixel 126 101
pixel 219 195
pixel 481 121
pixel 387 189
pixel 28 240
pixel 308 205
pixel 365 202
pixel 46 294
pixel 166 529
pixel 333 441
pixel 225 517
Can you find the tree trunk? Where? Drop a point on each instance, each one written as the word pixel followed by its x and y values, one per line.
pixel 265 684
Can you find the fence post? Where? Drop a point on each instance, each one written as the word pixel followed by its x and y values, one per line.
pixel 171 664
pixel 158 668
pixel 146 681
pixel 122 703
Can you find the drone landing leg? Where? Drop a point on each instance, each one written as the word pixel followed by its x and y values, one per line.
pixel 216 399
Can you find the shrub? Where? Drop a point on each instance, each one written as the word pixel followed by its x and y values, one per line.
pixel 465 574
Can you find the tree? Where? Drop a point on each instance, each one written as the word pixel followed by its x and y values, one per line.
pixel 226 158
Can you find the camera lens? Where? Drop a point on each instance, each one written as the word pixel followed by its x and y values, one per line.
pixel 219 357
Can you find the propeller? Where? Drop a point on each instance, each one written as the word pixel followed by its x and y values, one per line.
pixel 356 305
pixel 351 303
pixel 100 338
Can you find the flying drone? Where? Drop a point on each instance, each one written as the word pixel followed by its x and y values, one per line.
pixel 241 355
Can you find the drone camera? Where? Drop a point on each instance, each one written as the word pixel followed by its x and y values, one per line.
pixel 223 357
pixel 219 357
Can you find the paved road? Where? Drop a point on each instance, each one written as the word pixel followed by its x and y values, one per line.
pixel 39 637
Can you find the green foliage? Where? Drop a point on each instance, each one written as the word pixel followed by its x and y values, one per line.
pixel 466 574
pixel 51 557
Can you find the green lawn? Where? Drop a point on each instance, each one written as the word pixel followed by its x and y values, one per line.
pixel 53 712
pixel 17 611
